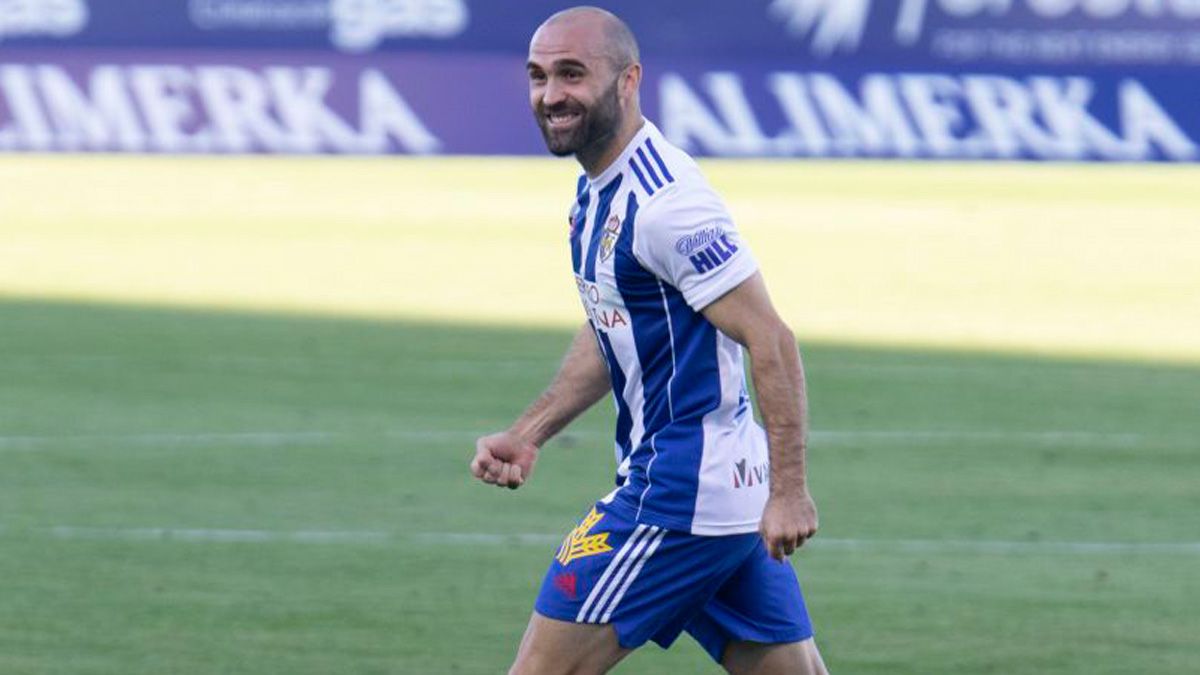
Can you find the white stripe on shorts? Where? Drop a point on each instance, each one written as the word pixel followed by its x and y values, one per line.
pixel 620 575
pixel 612 565
pixel 633 575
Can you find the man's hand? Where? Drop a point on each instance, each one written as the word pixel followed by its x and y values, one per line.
pixel 504 459
pixel 787 522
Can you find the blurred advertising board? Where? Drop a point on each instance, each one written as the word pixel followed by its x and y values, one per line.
pixel 959 79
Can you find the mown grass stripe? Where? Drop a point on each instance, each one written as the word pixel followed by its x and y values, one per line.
pixel 360 537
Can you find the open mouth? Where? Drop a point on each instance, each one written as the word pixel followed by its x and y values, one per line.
pixel 562 119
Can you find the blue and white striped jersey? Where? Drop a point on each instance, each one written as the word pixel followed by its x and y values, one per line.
pixel 651 246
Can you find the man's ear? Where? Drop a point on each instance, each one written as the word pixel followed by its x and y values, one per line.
pixel 631 79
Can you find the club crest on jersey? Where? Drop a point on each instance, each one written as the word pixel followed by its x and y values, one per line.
pixel 580 544
pixel 608 242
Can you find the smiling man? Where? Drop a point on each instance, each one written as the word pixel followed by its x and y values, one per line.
pixel 707 506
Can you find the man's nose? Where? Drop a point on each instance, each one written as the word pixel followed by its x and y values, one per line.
pixel 554 93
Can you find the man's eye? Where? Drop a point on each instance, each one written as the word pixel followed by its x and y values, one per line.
pixel 537 77
pixel 573 75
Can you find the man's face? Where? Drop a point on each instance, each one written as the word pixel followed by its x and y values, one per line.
pixel 572 89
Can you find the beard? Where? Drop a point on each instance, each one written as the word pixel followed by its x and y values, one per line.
pixel 597 125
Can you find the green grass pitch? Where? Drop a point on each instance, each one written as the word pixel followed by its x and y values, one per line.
pixel 238 396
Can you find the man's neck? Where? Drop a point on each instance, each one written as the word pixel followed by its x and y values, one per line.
pixel 594 166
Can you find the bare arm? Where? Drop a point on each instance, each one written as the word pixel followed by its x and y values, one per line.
pixel 506 458
pixel 582 379
pixel 747 315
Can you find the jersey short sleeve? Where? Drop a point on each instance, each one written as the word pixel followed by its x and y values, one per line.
pixel 686 237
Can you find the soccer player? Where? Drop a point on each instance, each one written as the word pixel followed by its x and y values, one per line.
pixel 708 506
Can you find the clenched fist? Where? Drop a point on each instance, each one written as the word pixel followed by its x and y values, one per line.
pixel 788 521
pixel 504 460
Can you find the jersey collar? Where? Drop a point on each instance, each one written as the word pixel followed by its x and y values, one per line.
pixel 622 160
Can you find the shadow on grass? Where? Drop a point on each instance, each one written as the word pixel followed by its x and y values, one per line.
pixel 118 360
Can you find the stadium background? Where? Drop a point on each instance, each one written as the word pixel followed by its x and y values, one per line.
pixel 239 389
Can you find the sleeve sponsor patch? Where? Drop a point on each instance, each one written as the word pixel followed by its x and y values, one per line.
pixel 708 248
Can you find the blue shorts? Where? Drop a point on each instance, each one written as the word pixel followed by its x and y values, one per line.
pixel 652 584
